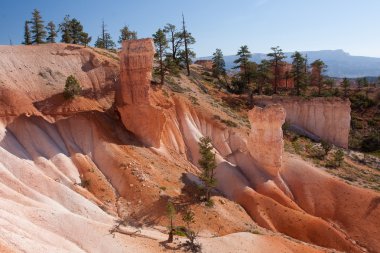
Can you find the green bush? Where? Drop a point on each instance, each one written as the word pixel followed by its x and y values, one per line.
pixel 229 123
pixel 297 146
pixel 339 157
pixel 371 143
pixel 326 146
pixel 361 101
pixel 357 124
pixel 72 87
pixel 317 151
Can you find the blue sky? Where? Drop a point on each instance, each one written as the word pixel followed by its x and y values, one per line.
pixel 351 25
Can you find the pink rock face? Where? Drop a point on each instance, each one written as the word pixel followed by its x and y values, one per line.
pixel 137 112
pixel 265 142
pixel 328 118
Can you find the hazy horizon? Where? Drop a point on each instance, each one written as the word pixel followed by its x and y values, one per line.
pixel 298 25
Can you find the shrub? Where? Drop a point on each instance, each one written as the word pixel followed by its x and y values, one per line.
pixel 360 101
pixel 317 151
pixel 356 124
pixel 229 123
pixel 338 157
pixel 371 143
pixel 72 87
pixel 191 244
pixel 297 146
pixel 170 213
pixel 326 146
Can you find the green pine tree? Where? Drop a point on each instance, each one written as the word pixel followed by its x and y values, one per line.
pixel 175 39
pixel 263 75
pixel 187 54
pixel 105 41
pixel 65 29
pixel 27 35
pixel 161 45
pixel 319 67
pixel 127 34
pixel 170 213
pixel 345 84
pixel 76 30
pixel 275 58
pixel 218 64
pixel 298 73
pixel 72 87
pixel 52 33
pixel 242 63
pixel 208 164
pixel 84 39
pixel 38 28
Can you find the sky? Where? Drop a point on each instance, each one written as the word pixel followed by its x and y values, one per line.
pixel 303 25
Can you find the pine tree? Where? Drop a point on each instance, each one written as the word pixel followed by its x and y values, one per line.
pixel 72 87
pixel 52 33
pixel 243 64
pixel 105 41
pixel 276 58
pixel 85 39
pixel 191 244
pixel 76 30
pixel 127 34
pixel 99 43
pixel 175 40
pixel 170 213
pixel 38 28
pixel 319 67
pixel 188 40
pixel 263 75
pixel 298 73
pixel 218 64
pixel 72 32
pixel 208 164
pixel 27 35
pixel 65 29
pixel 345 84
pixel 161 45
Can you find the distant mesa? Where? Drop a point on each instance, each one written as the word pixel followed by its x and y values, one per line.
pixel 340 64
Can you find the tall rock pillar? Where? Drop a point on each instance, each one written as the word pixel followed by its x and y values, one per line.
pixel 137 112
pixel 265 142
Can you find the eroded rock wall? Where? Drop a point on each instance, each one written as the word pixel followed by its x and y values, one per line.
pixel 137 112
pixel 328 118
pixel 265 142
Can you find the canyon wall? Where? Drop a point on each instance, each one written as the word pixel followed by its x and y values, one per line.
pixel 328 118
pixel 134 103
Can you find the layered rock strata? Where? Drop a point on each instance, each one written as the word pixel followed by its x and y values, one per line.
pixel 137 112
pixel 328 118
pixel 265 142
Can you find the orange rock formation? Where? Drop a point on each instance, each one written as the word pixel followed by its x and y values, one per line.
pixel 137 112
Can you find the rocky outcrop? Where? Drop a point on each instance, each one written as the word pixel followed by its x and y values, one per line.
pixel 32 79
pixel 328 118
pixel 265 142
pixel 136 110
pixel 207 64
